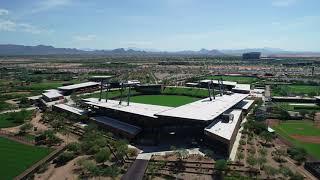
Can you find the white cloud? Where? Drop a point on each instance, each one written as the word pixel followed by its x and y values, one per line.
pixel 89 37
pixel 3 12
pixel 7 25
pixel 283 3
pixel 45 5
pixel 11 26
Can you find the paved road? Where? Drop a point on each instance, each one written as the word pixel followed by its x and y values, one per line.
pixel 137 170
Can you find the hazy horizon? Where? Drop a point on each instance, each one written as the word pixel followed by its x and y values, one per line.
pixel 166 25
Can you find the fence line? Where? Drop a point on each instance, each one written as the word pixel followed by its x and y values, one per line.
pixel 15 137
pixel 27 173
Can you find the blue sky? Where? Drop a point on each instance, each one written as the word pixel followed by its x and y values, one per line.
pixel 162 24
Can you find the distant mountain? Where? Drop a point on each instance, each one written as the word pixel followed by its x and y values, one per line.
pixel 212 52
pixel 12 49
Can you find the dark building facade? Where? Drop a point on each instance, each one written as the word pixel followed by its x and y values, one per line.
pixel 251 55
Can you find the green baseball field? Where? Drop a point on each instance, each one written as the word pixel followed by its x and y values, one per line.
pixel 16 157
pixel 301 134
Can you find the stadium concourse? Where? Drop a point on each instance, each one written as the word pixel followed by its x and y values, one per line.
pixel 214 120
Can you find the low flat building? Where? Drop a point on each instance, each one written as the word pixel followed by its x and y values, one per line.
pixel 297 99
pixel 251 56
pixel 69 109
pixel 225 130
pixel 79 88
pixel 52 95
pixel 242 88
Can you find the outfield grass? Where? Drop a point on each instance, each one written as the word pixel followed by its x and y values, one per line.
pixel 284 90
pixel 16 157
pixel 164 100
pixel 306 128
pixel 239 79
pixel 194 92
pixel 13 119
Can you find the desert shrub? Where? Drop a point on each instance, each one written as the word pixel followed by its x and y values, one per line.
pixel 74 147
pixel 102 156
pixel 64 158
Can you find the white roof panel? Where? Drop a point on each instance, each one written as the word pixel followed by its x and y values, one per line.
pixel 77 86
pixel 52 94
pixel 245 87
pixel 230 83
pixel 204 109
pixel 134 108
pixel 224 129
pixel 71 109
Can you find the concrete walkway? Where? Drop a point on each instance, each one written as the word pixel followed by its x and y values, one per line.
pixel 17 110
pixel 236 143
pixel 137 170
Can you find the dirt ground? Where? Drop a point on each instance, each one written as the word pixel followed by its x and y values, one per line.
pixel 65 172
pixel 309 139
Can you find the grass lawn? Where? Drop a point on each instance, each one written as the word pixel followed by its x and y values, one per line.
pixel 195 92
pixel 41 86
pixel 305 128
pixel 284 90
pixel 164 100
pixel 16 157
pixel 14 118
pixel 239 79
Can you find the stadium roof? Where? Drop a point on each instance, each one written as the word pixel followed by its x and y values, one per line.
pixel 245 104
pixel 229 83
pixel 204 109
pixel 125 127
pixel 77 86
pixel 134 108
pixel 101 77
pixel 224 129
pixel 71 109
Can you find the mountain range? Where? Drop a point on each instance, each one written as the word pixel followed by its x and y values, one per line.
pixel 13 50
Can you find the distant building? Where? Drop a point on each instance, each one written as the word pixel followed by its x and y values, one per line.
pixel 251 55
pixel 79 88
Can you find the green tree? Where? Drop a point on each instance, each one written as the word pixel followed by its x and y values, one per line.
pixel 252 161
pixel 263 152
pixel 266 136
pixel 261 161
pixel 285 171
pixel 279 153
pixel 240 156
pixel 221 166
pixel 102 156
pixel 269 170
